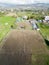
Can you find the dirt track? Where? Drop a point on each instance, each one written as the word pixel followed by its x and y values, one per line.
pixel 19 46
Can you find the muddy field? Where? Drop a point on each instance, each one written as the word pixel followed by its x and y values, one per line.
pixel 20 46
pixel 23 25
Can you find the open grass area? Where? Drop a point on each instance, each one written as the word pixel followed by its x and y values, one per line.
pixel 42 59
pixel 5 25
pixel 44 30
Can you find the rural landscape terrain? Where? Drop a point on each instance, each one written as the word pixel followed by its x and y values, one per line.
pixel 24 34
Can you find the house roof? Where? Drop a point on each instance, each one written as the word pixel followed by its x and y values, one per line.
pixel 19 19
pixel 25 17
pixel 46 17
pixel 33 21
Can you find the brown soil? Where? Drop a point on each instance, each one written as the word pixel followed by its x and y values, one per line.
pixel 11 14
pixel 19 46
pixel 24 25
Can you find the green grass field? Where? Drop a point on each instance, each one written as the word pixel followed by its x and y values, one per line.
pixel 44 30
pixel 5 25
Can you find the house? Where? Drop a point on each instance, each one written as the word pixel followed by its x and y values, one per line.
pixel 19 19
pixel 40 21
pixel 25 17
pixel 35 26
pixel 47 19
pixel 33 23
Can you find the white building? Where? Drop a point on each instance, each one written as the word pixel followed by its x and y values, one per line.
pixel 46 18
pixel 25 17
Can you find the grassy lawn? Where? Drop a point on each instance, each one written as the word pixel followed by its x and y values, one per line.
pixel 42 59
pixel 44 30
pixel 5 25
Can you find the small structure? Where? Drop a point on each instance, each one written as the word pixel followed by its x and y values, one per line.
pixel 25 17
pixel 33 23
pixel 35 26
pixel 40 21
pixel 47 19
pixel 19 19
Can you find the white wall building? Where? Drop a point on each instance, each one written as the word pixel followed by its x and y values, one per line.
pixel 46 18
